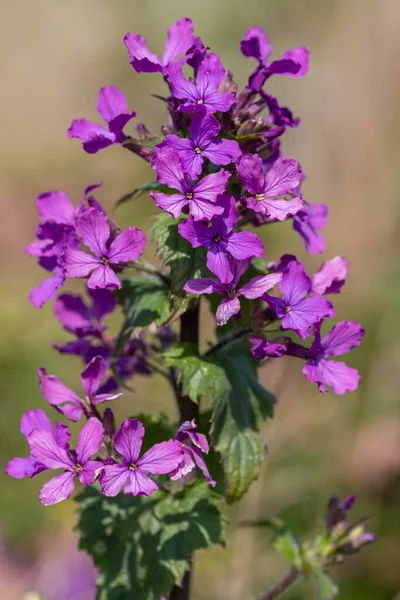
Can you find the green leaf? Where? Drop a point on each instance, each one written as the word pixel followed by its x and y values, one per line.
pixel 200 377
pixel 141 545
pixel 151 186
pixel 239 409
pixel 144 300
pixel 286 543
pixel 326 589
pixel 184 261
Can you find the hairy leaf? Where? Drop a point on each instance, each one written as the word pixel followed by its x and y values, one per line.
pixel 141 545
pixel 286 543
pixel 151 186
pixel 177 253
pixel 238 413
pixel 326 589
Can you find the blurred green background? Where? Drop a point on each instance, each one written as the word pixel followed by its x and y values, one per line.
pixel 55 55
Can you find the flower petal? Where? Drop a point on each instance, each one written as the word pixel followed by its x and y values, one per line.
pixel 90 471
pixel 172 204
pixel 305 313
pixel 201 463
pixel 47 289
pixel 128 440
pixel 94 231
pixel 256 44
pixel 251 173
pixel 211 186
pixel 102 277
pixel 161 458
pixel 223 152
pixel 295 283
pixel 94 137
pixel 23 467
pixel 93 375
pixel 140 57
pixel 203 210
pixel 55 207
pixel 168 166
pixel 57 489
pixel 127 246
pixel 331 277
pixel 59 396
pixel 185 467
pixel 283 209
pixel 34 419
pixel 77 263
pixel 45 450
pixel 284 177
pixel 89 440
pixel 113 478
pixel 73 314
pixel 244 244
pixel 195 232
pixel 218 263
pixel 342 338
pixel 180 39
pixel 140 484
pixel 259 285
pixel 227 308
pixel 204 286
pixel 338 375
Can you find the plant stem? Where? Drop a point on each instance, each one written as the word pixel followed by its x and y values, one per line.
pixel 283 585
pixel 237 335
pixel 188 410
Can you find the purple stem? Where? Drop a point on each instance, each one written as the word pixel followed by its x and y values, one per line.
pixel 283 585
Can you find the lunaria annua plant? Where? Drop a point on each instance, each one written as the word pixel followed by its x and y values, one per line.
pixel 153 487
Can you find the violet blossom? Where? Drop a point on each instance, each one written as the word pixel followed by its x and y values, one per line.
pixel 342 338
pixel 78 318
pixel 230 304
pixel 113 108
pixel 202 144
pixel 93 229
pixel 45 450
pixel 180 40
pixel 221 240
pixel 200 197
pixel 283 178
pixel 331 277
pixel 192 455
pixel 307 221
pixel 31 420
pixel 66 401
pixel 203 94
pixel 130 473
pixel 296 310
pixel 294 63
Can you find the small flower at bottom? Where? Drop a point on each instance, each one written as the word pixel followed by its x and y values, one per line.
pixel 45 449
pixel 130 473
pixel 191 454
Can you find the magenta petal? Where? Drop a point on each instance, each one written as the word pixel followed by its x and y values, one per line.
pixel 34 419
pixel 111 103
pixel 227 308
pixel 45 449
pixel 181 87
pixel 93 375
pixel 127 246
pixel 57 489
pixel 212 186
pixel 94 137
pixel 171 204
pixel 23 467
pixel 77 263
pixel 140 57
pixel 331 277
pixel 200 462
pixel 94 231
pixel 218 263
pixel 104 303
pixel 139 484
pixel 262 349
pixel 72 313
pixel 223 152
pixel 305 313
pixel 90 472
pixel 186 466
pixel 203 210
pixel 168 165
pixel 161 458
pixel 284 177
pixel 180 39
pixel 299 56
pixel 256 44
pixel 113 478
pixel 59 396
pixel 47 289
pixel 102 277
pixel 196 233
pixel 204 286
pixel 244 244
pixel 251 173
pixel 128 440
pixel 55 207
pixel 283 209
pixel 342 338
pixel 258 286
pixel 203 128
pixel 61 435
pixel 338 375
pixel 89 440
pixel 239 267
pixel 295 283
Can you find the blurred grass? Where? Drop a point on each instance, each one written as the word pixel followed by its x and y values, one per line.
pixel 55 56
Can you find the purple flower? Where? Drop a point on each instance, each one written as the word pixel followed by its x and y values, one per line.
pixel 220 239
pixel 131 471
pixel 113 108
pixel 93 229
pixel 339 340
pixel 203 129
pixel 230 304
pixel 45 450
pixel 280 116
pixel 294 63
pixel 283 178
pixel 180 40
pixel 296 311
pixel 263 348
pixel 204 93
pixel 36 419
pixel 331 277
pixel 192 455
pixel 65 401
pixel 78 318
pixel 307 221
pixel 201 197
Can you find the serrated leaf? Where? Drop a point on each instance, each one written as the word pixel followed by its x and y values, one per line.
pixel 144 300
pixel 151 186
pixel 199 376
pixel 239 409
pixel 326 589
pixel 141 545
pixel 184 261
pixel 286 543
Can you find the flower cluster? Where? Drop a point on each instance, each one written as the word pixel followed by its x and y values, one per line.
pixel 219 169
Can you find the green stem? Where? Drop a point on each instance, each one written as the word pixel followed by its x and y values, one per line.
pixel 283 585
pixel 146 267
